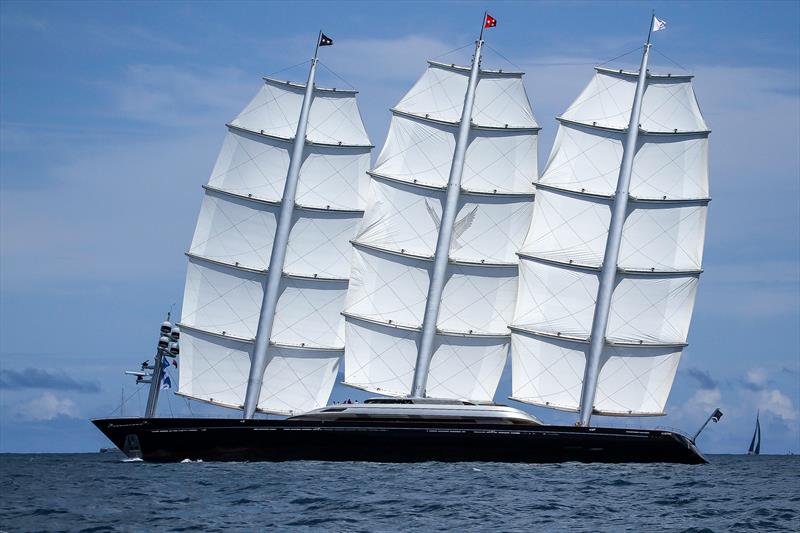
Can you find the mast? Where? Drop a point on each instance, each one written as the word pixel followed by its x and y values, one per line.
pixel 442 253
pixel 278 255
pixel 608 273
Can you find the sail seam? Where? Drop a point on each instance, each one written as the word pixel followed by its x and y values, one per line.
pixel 439 331
pixel 465 70
pixel 277 203
pixel 295 85
pixel 290 140
pixel 455 123
pixel 655 133
pixel 429 258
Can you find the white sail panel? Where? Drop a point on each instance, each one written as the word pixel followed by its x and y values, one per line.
pixel 421 152
pixel 500 162
pixel 251 165
pixel 584 160
pixel 417 152
pixel 501 101
pixel 438 94
pixel 478 299
pixel 568 228
pixel 297 381
pixel 235 230
pixel 406 218
pixel 402 217
pixel 379 358
pixel 663 237
pixel 333 177
pixel 546 372
pixel 664 167
pixel 636 380
pixel 222 299
pixel 669 104
pixel 334 119
pixel 213 369
pixel 670 167
pixel 274 110
pixel 490 229
pixel 606 101
pixel 651 309
pixel 555 300
pixel 309 313
pixel 388 288
pixel 319 243
pixel 466 367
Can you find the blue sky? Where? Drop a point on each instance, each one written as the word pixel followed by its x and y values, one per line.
pixel 112 115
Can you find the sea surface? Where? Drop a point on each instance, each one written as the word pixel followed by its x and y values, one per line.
pixel 103 492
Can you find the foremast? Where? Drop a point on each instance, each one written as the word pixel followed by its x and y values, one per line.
pixel 278 256
pixel 445 237
pixel 608 272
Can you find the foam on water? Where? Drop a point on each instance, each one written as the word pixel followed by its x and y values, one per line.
pixel 100 492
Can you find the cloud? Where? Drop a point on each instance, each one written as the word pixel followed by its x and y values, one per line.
pixel 775 402
pixel 47 407
pixel 702 377
pixel 35 378
pixel 755 380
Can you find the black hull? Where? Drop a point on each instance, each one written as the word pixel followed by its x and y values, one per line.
pixel 175 439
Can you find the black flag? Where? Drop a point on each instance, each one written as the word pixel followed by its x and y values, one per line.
pixel 324 40
pixel 717 415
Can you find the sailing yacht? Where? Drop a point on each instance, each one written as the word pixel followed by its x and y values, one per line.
pixel 424 272
pixel 755 443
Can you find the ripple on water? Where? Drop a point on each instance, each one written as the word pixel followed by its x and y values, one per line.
pixel 92 493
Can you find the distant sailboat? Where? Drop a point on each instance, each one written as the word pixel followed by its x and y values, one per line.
pixel 755 444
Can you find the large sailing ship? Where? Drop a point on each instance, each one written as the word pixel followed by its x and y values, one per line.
pixel 425 272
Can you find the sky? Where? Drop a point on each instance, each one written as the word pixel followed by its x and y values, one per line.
pixel 112 114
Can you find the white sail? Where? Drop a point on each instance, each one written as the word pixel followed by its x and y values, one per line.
pixel 394 247
pixel 232 244
pixel 660 254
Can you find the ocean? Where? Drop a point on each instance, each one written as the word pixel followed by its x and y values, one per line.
pixel 103 492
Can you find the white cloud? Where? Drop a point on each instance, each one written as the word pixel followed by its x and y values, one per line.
pixel 775 402
pixel 757 376
pixel 47 407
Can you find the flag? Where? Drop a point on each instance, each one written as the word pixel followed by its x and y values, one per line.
pixel 324 40
pixel 659 24
pixel 490 21
pixel 175 363
pixel 165 382
pixel 717 415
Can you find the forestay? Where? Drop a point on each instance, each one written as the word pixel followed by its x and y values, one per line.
pixel 233 241
pixel 395 244
pixel 660 256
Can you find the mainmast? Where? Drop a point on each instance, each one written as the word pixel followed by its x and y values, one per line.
pixel 442 254
pixel 278 255
pixel 608 272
